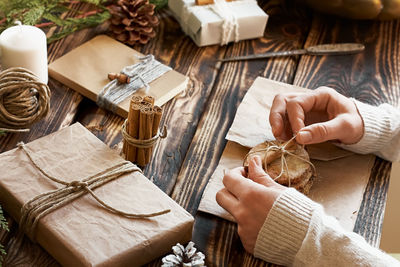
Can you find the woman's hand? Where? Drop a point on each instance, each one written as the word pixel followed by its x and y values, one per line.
pixel 249 200
pixel 315 117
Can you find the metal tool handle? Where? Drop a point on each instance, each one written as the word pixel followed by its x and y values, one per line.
pixel 335 49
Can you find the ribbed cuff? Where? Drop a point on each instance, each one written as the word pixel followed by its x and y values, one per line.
pixel 375 133
pixel 283 232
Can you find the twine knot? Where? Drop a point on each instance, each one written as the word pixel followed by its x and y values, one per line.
pixel 141 75
pixel 77 185
pixel 284 151
pixel 43 204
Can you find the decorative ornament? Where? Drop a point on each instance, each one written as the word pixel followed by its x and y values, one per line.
pixel 133 21
pixel 186 257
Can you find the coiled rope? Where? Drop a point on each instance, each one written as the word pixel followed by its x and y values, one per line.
pixel 24 100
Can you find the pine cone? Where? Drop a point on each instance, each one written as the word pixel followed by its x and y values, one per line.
pixel 186 257
pixel 133 21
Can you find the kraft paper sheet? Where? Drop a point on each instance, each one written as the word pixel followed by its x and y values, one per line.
pixel 390 227
pixel 86 67
pixel 83 233
pixel 342 175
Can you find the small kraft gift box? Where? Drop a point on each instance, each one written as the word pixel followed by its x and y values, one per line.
pixel 86 205
pixel 221 22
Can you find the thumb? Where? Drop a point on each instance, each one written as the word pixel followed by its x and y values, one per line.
pixel 257 173
pixel 321 132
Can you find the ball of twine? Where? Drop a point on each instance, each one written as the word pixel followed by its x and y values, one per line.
pixel 24 100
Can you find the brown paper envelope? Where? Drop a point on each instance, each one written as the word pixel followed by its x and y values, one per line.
pixel 251 126
pixel 83 233
pixel 339 187
pixel 390 240
pixel 85 70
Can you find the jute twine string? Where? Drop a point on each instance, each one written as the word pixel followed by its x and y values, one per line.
pixel 45 203
pixel 23 100
pixel 283 151
pixel 147 143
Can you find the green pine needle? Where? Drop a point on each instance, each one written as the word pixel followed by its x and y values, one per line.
pixel 3 225
pixel 33 12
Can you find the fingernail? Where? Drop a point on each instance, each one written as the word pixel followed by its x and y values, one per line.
pixel 304 136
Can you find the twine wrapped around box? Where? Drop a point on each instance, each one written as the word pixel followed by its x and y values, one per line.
pixel 45 203
pixel 141 130
pixel 140 75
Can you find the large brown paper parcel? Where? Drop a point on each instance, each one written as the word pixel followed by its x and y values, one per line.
pixel 83 233
pixel 86 67
pixel 341 175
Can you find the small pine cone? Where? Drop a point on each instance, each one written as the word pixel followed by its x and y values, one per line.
pixel 186 257
pixel 133 21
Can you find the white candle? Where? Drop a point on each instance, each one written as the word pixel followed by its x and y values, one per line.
pixel 25 46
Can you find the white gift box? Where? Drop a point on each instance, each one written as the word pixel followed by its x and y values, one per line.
pixel 220 23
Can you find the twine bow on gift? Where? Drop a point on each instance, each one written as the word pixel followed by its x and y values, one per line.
pixel 45 203
pixel 230 24
pixel 141 75
pixel 282 151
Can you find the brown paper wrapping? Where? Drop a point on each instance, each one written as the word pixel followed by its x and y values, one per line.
pixel 85 70
pixel 341 175
pixel 82 233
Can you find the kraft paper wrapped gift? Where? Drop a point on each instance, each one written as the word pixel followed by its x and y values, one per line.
pixel 342 176
pixel 85 70
pixel 205 24
pixel 83 233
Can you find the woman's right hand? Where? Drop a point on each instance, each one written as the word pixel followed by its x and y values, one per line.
pixel 315 117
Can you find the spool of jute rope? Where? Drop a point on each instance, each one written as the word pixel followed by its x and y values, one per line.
pixel 24 100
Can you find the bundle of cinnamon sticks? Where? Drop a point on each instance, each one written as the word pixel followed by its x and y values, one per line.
pixel 142 124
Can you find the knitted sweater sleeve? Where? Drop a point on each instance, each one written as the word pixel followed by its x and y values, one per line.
pixel 381 131
pixel 297 232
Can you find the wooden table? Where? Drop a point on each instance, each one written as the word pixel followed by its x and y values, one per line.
pixel 199 119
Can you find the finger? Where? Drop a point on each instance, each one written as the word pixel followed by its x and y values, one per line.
pixel 297 109
pixel 235 180
pixel 321 132
pixel 257 173
pixel 277 115
pixel 227 201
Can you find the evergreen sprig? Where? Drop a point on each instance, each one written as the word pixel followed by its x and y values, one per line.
pixel 47 13
pixel 3 225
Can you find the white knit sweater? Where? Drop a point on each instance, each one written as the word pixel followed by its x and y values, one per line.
pixel 297 232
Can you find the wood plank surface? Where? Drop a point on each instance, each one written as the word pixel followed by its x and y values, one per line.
pixel 372 77
pixel 199 118
pixel 287 28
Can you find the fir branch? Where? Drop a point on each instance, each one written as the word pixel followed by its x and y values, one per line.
pixel 46 13
pixel 159 3
pixel 3 225
pixel 75 24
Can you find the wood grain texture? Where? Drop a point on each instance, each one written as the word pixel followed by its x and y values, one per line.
pixel 372 77
pixel 199 118
pixel 222 244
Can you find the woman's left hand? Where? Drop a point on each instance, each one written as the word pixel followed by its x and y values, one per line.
pixel 249 198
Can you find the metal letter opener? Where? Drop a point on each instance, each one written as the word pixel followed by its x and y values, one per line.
pixel 317 50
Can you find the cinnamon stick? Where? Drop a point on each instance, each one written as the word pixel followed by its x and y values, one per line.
pixel 156 122
pixel 145 129
pixel 132 127
pixel 149 99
